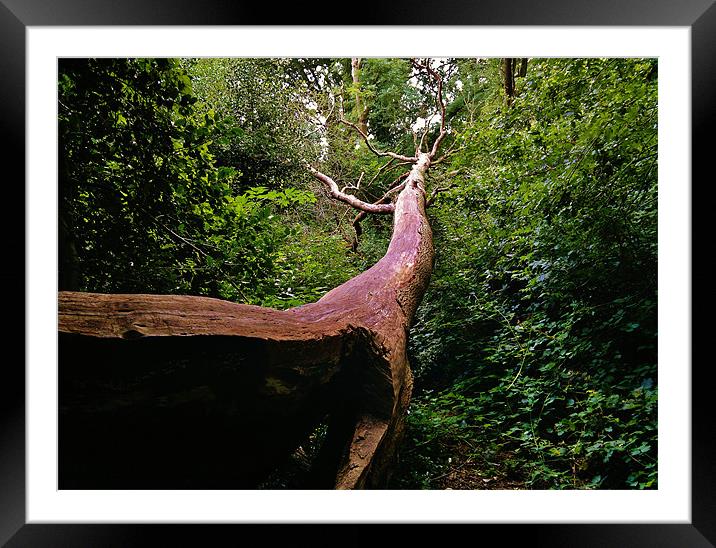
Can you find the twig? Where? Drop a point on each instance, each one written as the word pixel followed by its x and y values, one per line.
pixel 372 148
pixel 394 187
pixel 452 469
pixel 438 190
pixel 441 105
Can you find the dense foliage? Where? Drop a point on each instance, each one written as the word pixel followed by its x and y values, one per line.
pixel 535 348
pixel 154 190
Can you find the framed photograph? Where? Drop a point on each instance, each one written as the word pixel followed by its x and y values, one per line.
pixel 85 504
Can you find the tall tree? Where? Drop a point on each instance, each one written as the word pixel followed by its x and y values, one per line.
pixel 361 106
pixel 511 69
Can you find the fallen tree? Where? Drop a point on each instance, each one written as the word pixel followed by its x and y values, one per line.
pixel 173 391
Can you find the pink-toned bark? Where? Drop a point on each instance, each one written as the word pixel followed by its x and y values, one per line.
pixel 360 326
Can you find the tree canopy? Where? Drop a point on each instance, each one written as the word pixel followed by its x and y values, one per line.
pixel 534 350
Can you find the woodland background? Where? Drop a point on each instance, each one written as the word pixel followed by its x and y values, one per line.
pixel 534 350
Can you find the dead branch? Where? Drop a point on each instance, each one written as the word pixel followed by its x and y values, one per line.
pixel 438 190
pixel 448 153
pixel 426 130
pixel 386 166
pixel 395 186
pixel 372 148
pixel 439 103
pixel 349 198
pixel 441 106
pixel 354 186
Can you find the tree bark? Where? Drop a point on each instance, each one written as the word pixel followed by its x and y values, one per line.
pixel 173 391
pixel 508 79
pixel 523 68
pixel 361 107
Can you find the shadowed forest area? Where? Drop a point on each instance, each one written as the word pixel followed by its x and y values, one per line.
pixel 534 348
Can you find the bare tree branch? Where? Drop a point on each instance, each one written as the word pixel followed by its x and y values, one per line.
pixel 354 186
pixel 319 125
pixel 378 206
pixel 394 187
pixel 448 153
pixel 349 198
pixel 438 190
pixel 441 106
pixel 373 149
pixel 387 166
pixel 422 137
pixel 416 65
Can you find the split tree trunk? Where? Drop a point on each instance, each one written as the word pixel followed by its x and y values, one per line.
pixel 179 391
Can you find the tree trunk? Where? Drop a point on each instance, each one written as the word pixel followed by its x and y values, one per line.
pixel 179 391
pixel 523 68
pixel 361 107
pixel 508 79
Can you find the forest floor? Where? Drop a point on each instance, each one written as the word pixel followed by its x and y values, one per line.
pixel 466 473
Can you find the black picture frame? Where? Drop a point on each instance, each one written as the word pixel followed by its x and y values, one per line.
pixel 16 15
